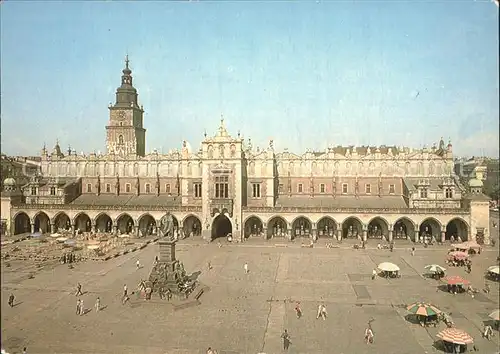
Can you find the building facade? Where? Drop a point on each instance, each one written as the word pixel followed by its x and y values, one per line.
pixel 228 186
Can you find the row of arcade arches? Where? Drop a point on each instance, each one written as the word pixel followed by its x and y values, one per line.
pixel 253 227
pixel 103 223
pixel 353 227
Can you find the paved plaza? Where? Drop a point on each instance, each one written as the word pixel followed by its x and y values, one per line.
pixel 242 313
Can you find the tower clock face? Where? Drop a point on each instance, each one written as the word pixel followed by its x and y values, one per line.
pixel 121 115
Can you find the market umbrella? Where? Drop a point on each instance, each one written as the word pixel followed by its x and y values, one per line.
pixel 423 309
pixel 495 315
pixel 434 268
pixel 455 336
pixel 458 255
pixel 93 247
pixel 388 267
pixel 494 270
pixel 456 280
pixel 61 239
pixel 36 234
pixel 55 235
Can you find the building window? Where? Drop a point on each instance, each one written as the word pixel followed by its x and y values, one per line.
pixel 299 188
pixel 255 190
pixel 322 188
pixel 280 188
pixel 344 188
pixel 449 193
pixel 167 188
pixel 148 188
pixel 120 139
pixel 89 187
pixel 222 187
pixel 33 190
pixel 108 188
pixel 52 190
pixel 127 188
pixel 197 190
pixel 423 193
pixel 392 189
pixel 368 188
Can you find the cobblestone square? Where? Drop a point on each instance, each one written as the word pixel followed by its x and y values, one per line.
pixel 242 313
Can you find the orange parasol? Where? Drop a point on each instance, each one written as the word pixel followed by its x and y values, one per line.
pixel 456 280
pixel 455 336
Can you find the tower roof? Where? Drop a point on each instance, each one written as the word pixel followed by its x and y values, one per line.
pixel 126 94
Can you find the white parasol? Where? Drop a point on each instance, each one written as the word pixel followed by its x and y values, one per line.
pixel 494 270
pixel 55 235
pixel 434 268
pixel 388 267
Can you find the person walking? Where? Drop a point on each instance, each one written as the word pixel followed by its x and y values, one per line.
pixel 82 308
pixel 11 300
pixel 413 251
pixel 245 267
pixel 79 290
pixel 369 335
pixel 125 296
pixel 209 265
pixel 286 340
pixel 97 304
pixel 138 264
pixel 78 307
pixel 298 310
pixel 321 312
pixel 374 274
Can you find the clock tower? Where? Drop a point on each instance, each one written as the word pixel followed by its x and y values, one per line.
pixel 125 134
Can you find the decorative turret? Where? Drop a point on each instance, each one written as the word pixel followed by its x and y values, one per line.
pixel 57 150
pixel 44 152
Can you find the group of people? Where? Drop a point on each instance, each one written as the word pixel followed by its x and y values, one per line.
pixel 80 308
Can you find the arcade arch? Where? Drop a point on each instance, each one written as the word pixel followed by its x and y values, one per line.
pixel 82 223
pixel 253 227
pixel 125 224
pixel 352 228
pixel 276 227
pixel 327 227
pixel 104 223
pixel 61 222
pixel 22 223
pixel 221 226
pixel 378 228
pixel 147 225
pixel 404 228
pixel 457 228
pixel 430 227
pixel 41 223
pixel 191 226
pixel 301 227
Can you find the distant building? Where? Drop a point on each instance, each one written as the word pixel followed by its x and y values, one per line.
pixel 229 187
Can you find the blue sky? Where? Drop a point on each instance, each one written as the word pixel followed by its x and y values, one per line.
pixel 306 74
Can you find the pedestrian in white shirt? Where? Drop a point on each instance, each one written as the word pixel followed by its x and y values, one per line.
pixel 245 267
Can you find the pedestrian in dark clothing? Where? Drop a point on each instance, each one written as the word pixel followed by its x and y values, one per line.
pixel 286 340
pixel 79 289
pixel 11 300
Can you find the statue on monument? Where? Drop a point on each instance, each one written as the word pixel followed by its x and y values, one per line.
pixel 167 226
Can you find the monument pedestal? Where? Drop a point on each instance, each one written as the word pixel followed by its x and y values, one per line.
pixel 166 273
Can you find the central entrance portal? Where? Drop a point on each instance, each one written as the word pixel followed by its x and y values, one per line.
pixel 221 227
